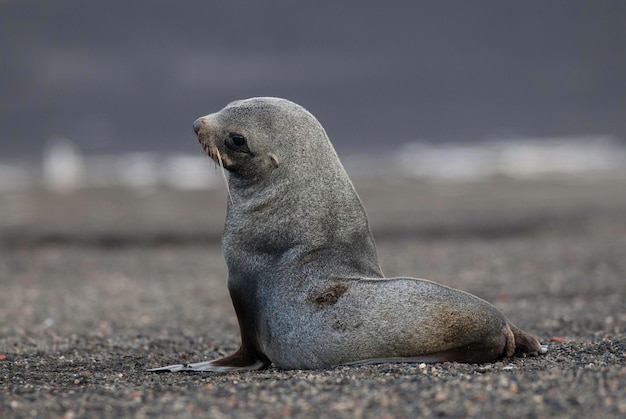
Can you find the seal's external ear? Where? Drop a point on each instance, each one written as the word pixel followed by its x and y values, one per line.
pixel 274 159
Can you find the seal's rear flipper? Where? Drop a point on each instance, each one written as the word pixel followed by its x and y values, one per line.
pixel 527 344
pixel 209 366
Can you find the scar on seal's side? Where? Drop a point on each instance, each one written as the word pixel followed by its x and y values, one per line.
pixel 303 272
pixel 329 296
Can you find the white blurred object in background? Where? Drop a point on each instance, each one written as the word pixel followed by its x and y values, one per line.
pixel 63 166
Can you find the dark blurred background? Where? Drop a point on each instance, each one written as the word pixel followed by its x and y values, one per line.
pixel 121 76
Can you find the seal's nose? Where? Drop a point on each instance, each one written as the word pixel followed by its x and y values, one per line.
pixel 197 124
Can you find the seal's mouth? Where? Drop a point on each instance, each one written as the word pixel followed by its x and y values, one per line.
pixel 210 151
pixel 222 160
pixel 215 155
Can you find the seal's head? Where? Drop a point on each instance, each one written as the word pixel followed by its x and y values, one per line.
pixel 250 136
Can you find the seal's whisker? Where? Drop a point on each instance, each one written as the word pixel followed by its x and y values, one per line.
pixel 221 164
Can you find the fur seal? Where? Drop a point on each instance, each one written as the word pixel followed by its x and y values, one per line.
pixel 303 271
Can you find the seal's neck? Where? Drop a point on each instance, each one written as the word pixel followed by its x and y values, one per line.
pixel 309 218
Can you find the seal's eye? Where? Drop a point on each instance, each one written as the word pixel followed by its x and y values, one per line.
pixel 238 139
pixel 237 142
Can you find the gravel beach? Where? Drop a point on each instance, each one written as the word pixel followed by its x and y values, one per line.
pixel 98 285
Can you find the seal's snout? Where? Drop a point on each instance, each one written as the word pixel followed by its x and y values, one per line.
pixel 197 125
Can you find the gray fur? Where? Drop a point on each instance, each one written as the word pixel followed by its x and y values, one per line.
pixel 303 270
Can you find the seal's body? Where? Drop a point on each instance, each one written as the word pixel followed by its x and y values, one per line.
pixel 303 271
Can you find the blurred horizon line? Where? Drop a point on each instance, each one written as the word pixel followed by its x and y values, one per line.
pixel 63 168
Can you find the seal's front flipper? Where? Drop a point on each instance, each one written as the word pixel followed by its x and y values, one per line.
pixel 242 360
pixel 209 366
